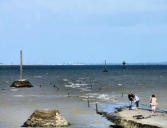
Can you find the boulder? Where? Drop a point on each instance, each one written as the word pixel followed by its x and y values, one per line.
pixel 21 83
pixel 46 118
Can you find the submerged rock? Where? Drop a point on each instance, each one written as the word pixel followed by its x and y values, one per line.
pixel 21 83
pixel 46 118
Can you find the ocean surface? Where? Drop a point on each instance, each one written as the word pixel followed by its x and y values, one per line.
pixel 82 82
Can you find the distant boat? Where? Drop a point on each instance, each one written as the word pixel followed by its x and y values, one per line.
pixel 105 67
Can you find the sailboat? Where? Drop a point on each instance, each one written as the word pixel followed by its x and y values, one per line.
pixel 105 67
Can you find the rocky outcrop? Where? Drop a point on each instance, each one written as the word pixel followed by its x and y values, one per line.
pixel 124 118
pixel 21 83
pixel 46 118
pixel 125 123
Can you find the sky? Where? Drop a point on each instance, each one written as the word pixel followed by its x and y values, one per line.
pixel 83 31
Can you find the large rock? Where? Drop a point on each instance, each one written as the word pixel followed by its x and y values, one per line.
pixel 46 118
pixel 21 83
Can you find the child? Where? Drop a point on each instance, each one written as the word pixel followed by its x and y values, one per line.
pixel 131 98
pixel 136 100
pixel 153 103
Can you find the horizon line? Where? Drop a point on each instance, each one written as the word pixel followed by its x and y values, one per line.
pixel 82 64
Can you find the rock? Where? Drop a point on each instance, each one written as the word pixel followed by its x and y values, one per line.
pixel 140 118
pixel 115 126
pixel 46 118
pixel 21 83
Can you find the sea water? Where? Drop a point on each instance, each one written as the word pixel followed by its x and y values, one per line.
pixel 53 84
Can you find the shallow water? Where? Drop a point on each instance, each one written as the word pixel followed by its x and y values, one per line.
pixel 16 107
pixel 80 82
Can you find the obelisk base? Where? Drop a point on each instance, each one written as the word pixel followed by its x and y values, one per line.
pixel 21 84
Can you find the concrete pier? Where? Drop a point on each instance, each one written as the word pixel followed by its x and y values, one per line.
pixel 140 118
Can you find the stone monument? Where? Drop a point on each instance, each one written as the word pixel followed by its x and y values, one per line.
pixel 46 118
pixel 21 82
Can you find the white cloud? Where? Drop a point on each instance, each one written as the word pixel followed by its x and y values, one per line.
pixel 124 14
pixel 86 6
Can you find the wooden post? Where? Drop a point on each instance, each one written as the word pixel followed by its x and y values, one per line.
pixel 88 102
pixel 21 65
pixel 96 108
pixel 91 84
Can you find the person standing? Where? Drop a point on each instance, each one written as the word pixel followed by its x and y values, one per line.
pixel 131 98
pixel 153 103
pixel 136 101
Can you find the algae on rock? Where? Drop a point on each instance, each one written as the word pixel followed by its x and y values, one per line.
pixel 46 118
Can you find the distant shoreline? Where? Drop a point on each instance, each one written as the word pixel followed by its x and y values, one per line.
pixel 130 64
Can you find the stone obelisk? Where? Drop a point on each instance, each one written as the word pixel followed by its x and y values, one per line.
pixel 105 67
pixel 21 82
pixel 21 66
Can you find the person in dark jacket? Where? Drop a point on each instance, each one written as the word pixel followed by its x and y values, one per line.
pixel 131 97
